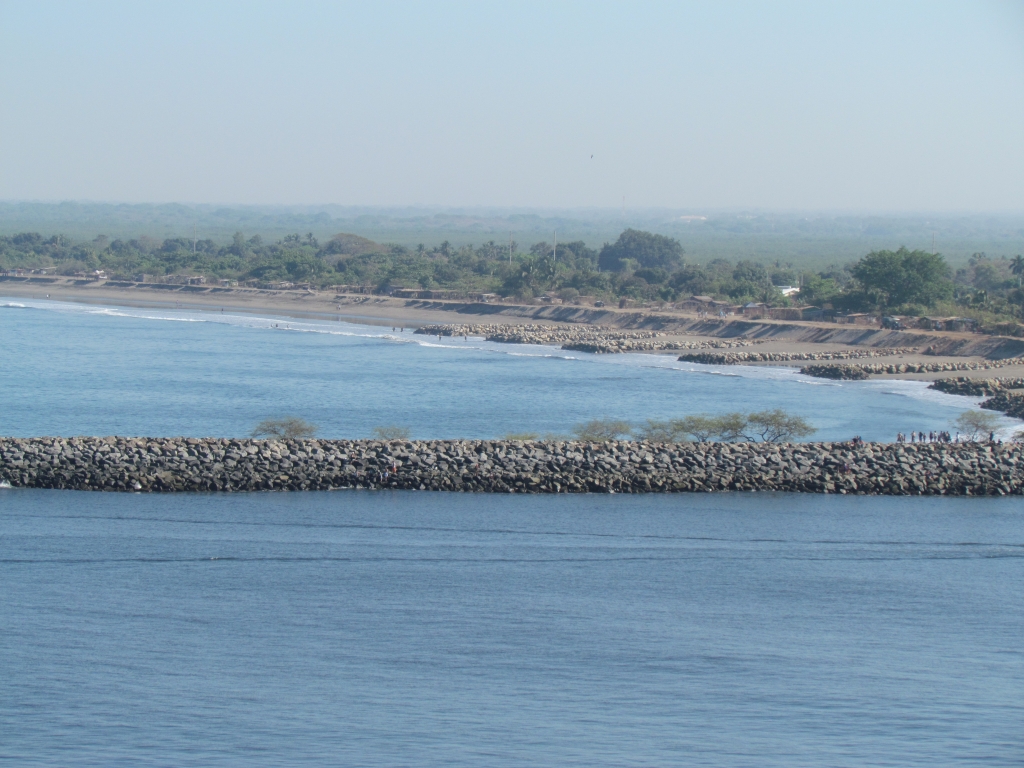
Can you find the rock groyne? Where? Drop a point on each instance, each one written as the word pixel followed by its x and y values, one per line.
pixel 863 370
pixel 581 338
pixel 1009 403
pixel 737 358
pixel 963 385
pixel 499 466
pixel 837 372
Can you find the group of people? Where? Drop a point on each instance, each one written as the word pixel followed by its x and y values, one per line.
pixel 937 437
pixel 931 437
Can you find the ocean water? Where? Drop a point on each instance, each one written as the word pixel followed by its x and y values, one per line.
pixel 357 628
pixel 78 369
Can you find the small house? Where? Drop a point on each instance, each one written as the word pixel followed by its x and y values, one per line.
pixel 856 318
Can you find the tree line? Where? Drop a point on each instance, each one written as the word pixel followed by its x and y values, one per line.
pixel 639 266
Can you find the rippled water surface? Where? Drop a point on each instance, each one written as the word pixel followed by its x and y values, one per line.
pixel 76 369
pixel 356 628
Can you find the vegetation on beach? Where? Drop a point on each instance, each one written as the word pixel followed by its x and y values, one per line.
pixel 602 430
pixel 772 426
pixel 976 424
pixel 285 428
pixel 391 432
pixel 521 437
pixel 638 266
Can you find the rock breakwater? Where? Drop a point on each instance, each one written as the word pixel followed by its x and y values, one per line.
pixel 581 338
pixel 191 464
pixel 863 370
pixel 737 358
pixel 837 372
pixel 1009 403
pixel 962 385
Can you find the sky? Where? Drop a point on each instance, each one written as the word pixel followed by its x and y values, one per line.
pixel 839 106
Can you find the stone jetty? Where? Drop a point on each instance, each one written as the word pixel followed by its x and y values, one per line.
pixel 737 358
pixel 962 385
pixel 837 372
pixel 502 466
pixel 1009 403
pixel 863 370
pixel 581 338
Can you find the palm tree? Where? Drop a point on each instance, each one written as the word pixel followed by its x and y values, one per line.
pixel 1017 267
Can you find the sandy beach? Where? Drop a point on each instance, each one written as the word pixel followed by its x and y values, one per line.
pixel 387 311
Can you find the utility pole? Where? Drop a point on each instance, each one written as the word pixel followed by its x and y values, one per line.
pixel 510 248
pixel 194 239
pixel 554 245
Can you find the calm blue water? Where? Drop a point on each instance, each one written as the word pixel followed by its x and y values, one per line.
pixel 357 628
pixel 414 628
pixel 75 369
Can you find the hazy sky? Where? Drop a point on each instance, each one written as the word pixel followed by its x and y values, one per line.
pixel 901 106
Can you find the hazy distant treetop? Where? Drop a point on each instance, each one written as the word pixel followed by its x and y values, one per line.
pixel 646 249
pixel 352 245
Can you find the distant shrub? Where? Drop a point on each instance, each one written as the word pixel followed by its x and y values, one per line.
pixel 662 432
pixel 391 432
pixel 975 424
pixel 776 426
pixel 767 426
pixel 602 431
pixel 524 437
pixel 288 427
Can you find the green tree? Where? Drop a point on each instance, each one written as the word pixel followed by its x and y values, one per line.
pixel 703 427
pixel 776 426
pixel 893 278
pixel 654 431
pixel 288 427
pixel 974 424
pixel 601 431
pixel 391 433
pixel 521 437
pixel 1017 267
pixel 646 249
pixel 818 290
pixel 700 428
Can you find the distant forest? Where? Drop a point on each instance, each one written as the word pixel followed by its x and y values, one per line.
pixel 638 266
pixel 812 241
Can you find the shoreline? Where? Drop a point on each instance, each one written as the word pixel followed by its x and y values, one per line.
pixel 771 337
pixel 192 465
